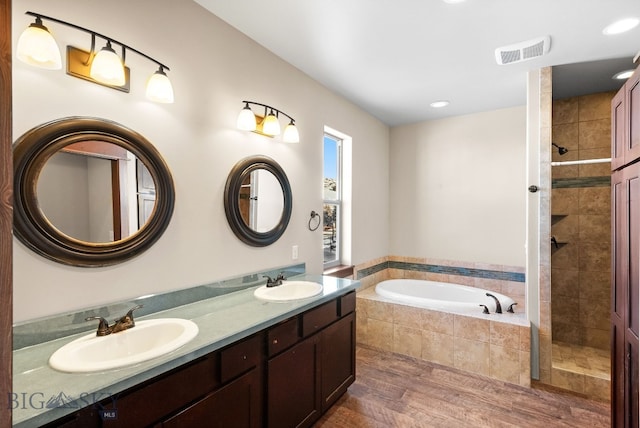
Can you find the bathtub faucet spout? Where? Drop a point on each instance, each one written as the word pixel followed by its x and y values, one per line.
pixel 498 306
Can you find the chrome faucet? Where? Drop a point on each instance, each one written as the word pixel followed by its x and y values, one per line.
pixel 498 306
pixel 123 323
pixel 274 282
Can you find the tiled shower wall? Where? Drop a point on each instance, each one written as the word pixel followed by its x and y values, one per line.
pixel 581 222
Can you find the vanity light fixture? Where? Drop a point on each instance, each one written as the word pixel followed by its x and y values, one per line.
pixel 269 124
pixel 37 47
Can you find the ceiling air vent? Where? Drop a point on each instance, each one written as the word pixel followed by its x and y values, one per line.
pixel 523 51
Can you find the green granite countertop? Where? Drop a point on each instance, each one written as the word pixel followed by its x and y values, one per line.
pixel 42 394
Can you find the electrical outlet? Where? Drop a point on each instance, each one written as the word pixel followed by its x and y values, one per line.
pixel 294 252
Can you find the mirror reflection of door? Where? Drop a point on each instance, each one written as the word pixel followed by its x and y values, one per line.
pixel 146 191
pixel 260 200
pixel 86 190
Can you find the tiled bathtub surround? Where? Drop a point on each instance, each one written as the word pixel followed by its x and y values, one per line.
pixel 493 345
pixel 508 280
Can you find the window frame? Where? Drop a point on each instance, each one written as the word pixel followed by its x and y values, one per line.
pixel 334 202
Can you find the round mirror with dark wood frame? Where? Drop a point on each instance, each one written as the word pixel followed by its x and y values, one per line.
pixel 242 200
pixel 32 227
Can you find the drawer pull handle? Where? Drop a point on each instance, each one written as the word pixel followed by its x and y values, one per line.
pixel 244 357
pixel 275 341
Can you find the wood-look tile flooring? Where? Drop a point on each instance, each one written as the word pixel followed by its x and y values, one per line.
pixel 397 391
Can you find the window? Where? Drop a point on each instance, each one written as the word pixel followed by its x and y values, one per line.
pixel 332 208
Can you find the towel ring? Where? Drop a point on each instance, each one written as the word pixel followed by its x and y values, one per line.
pixel 314 215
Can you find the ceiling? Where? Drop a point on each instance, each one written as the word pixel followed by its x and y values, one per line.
pixel 394 57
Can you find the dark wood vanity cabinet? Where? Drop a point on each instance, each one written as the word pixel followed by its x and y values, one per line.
pixel 284 376
pixel 304 380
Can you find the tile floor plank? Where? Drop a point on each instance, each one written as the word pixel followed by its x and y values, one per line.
pixel 398 391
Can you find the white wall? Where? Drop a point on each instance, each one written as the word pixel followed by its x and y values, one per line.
pixel 213 68
pixel 458 188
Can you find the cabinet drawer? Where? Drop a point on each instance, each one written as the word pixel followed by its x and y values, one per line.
pixel 239 358
pixel 347 303
pixel 282 336
pixel 319 317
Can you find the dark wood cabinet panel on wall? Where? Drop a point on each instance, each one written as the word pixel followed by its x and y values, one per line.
pixel 625 123
pixel 6 212
pixel 625 291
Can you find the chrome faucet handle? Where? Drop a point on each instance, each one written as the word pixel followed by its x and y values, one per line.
pixel 510 308
pixel 103 326
pixel 281 277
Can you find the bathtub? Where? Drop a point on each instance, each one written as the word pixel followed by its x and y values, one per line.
pixel 442 296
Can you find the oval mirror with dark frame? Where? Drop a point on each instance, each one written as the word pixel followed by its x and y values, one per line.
pixel 257 201
pixel 89 192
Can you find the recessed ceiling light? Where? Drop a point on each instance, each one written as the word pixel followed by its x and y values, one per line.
pixel 621 26
pixel 623 75
pixel 439 104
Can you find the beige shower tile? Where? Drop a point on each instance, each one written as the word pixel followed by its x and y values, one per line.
pixel 407 341
pixel 396 273
pixel 566 135
pixel 594 314
pixel 505 364
pixel 595 134
pixel 595 200
pixel 565 282
pixel 437 348
pixel 381 311
pixel 565 201
pixel 598 389
pixel 414 274
pixel 525 369
pixel 595 106
pixel 566 229
pixel 568 380
pixel 565 110
pixel 525 339
pixel 566 256
pixel 595 286
pixel 471 328
pixel 407 316
pixel 380 334
pixel 595 228
pixel 598 338
pixel 362 324
pixel 595 256
pixel 472 355
pixel 438 322
pixel 505 335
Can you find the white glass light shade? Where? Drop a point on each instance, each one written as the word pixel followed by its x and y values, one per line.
pixel 246 120
pixel 159 88
pixel 291 134
pixel 107 67
pixel 270 125
pixel 37 47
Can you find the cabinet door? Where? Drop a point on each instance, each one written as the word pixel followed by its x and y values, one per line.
pixel 293 387
pixel 618 129
pixel 237 405
pixel 338 359
pixel 632 88
pixel 625 319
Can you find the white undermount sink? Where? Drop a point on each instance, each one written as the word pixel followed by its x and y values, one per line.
pixel 288 291
pixel 148 339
